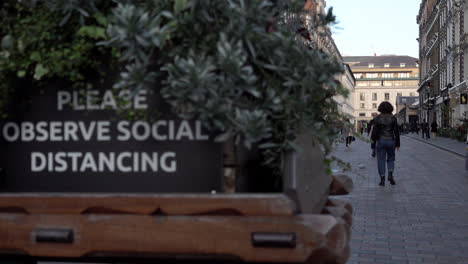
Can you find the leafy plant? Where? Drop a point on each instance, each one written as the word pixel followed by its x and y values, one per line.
pixel 39 44
pixel 224 67
pixel 244 68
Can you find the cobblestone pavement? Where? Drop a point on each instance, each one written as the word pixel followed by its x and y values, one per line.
pixel 445 143
pixel 422 219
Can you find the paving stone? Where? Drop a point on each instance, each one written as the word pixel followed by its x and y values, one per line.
pixel 422 219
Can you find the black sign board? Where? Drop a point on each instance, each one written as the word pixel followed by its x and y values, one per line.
pixel 66 140
pixel 463 98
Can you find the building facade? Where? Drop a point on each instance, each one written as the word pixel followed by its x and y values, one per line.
pixel 381 78
pixel 323 40
pixel 406 108
pixel 443 55
pixel 346 105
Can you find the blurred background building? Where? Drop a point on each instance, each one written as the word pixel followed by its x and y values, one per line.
pixel 381 78
pixel 443 51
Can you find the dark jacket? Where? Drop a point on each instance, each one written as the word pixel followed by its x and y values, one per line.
pixel 386 127
pixel 424 126
pixel 434 127
pixel 369 127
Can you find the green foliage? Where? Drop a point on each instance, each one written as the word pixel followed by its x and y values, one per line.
pixel 93 32
pixel 35 43
pixel 457 133
pixel 67 8
pixel 37 46
pixel 224 67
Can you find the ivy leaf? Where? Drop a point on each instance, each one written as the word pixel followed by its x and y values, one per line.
pixel 21 46
pixel 268 145
pixel 21 74
pixel 93 32
pixel 179 5
pixel 40 71
pixel 101 19
pixel 4 55
pixel 8 42
pixel 223 137
pixel 35 56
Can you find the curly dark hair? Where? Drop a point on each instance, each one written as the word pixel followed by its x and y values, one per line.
pixel 385 108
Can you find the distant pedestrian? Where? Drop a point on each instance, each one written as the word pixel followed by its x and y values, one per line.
pixel 416 128
pixel 425 130
pixel 386 134
pixel 421 127
pixel 369 126
pixel 347 133
pixel 428 131
pixel 406 127
pixel 434 127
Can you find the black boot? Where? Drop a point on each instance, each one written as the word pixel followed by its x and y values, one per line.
pixel 390 178
pixel 382 181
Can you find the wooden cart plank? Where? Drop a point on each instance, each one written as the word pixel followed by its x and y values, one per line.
pixel 318 237
pixel 163 204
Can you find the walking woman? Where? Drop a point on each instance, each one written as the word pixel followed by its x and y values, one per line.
pixel 387 137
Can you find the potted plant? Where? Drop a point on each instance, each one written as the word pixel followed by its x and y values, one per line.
pixel 245 70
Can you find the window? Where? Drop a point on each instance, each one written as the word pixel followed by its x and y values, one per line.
pixel 387 65
pixel 387 96
pixel 403 65
pixel 403 75
pixel 362 106
pixel 387 75
pixel 362 97
pixel 398 94
pixel 411 94
pixel 371 65
pixel 374 97
pixel 362 114
pixel 374 105
pixel 358 75
pixel 371 75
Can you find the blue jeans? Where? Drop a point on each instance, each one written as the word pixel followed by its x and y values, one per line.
pixel 385 151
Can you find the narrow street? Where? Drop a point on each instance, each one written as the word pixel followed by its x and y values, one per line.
pixel 422 219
